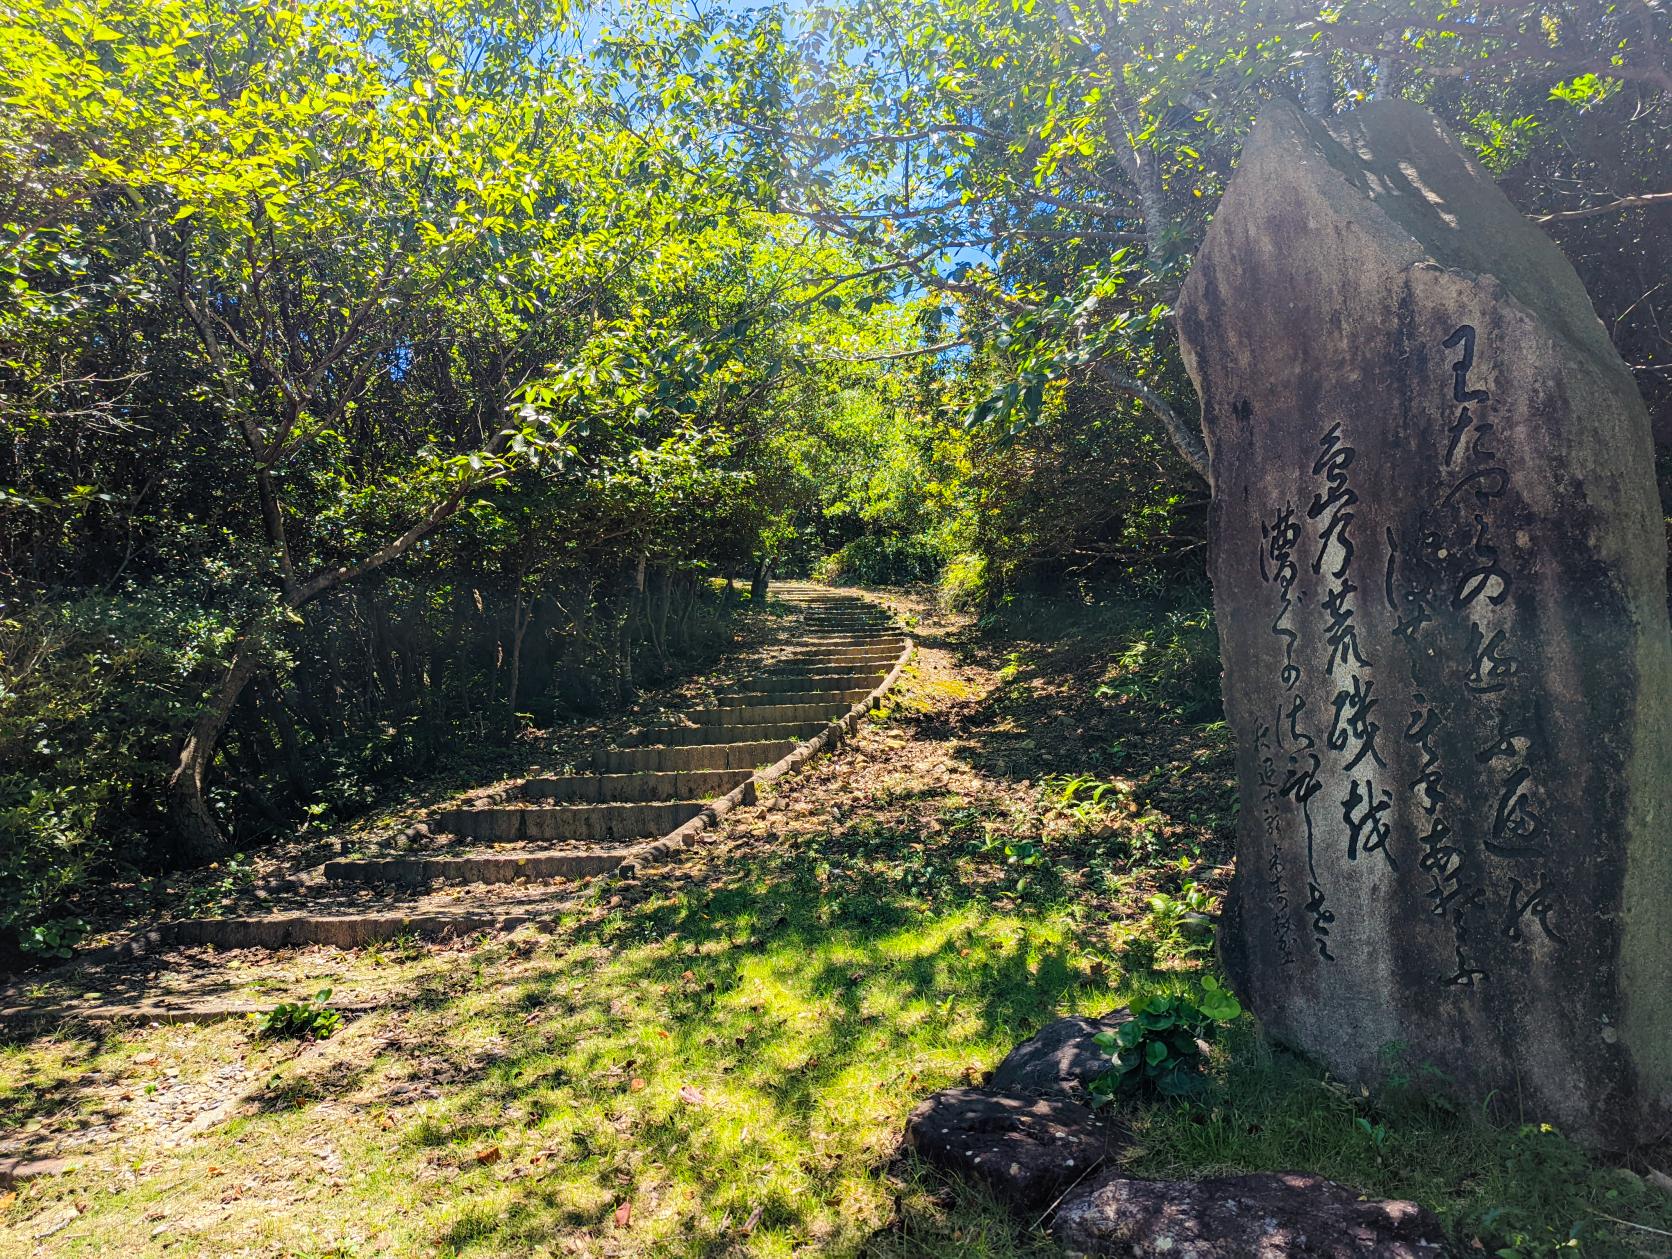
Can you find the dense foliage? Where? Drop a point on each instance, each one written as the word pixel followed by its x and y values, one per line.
pixel 1044 172
pixel 377 377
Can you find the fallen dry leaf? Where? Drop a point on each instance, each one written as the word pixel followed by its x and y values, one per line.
pixel 691 1096
pixel 635 1085
pixel 624 1214
pixel 489 1156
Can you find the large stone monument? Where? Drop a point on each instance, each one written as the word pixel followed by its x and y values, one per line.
pixel 1439 566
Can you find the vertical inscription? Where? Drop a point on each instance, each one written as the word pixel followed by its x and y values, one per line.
pixel 1354 726
pixel 1324 749
pixel 1279 537
pixel 1455 563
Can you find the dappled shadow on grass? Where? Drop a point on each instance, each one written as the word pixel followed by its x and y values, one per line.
pixel 803 1014
pixel 68 1089
pixel 1123 692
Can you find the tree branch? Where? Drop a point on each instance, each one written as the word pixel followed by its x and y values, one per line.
pixel 1184 436
pixel 914 352
pixel 1613 207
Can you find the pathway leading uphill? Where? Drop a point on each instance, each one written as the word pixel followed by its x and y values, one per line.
pixel 500 859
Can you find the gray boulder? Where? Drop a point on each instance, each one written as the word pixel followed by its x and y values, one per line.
pixel 1263 1216
pixel 1061 1061
pixel 1025 1150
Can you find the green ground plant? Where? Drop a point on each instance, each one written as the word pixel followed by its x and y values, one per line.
pixel 308 1019
pixel 1158 1050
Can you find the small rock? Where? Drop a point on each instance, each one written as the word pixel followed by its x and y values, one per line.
pixel 1263 1216
pixel 14 1170
pixel 1061 1061
pixel 1024 1149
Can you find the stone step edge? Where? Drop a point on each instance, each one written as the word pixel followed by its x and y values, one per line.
pixel 630 856
pixel 825 740
pixel 460 867
pixel 68 1012
pixel 351 930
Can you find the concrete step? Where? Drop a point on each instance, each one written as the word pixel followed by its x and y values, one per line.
pixel 751 732
pixel 579 822
pixel 700 757
pixel 832 661
pixel 344 931
pixel 848 644
pixel 862 652
pixel 863 667
pixel 701 784
pixel 810 641
pixel 762 699
pixel 792 681
pixel 756 714
pixel 474 868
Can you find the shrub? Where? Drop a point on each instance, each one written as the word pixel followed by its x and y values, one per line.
pixel 964 583
pixel 881 560
pixel 93 695
pixel 1172 666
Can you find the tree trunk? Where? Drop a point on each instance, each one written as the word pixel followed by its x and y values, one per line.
pixel 763 575
pixel 521 615
pixel 694 585
pixel 1319 96
pixel 656 620
pixel 272 700
pixel 198 840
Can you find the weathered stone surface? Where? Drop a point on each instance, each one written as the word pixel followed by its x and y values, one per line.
pixel 1060 1061
pixel 1439 568
pixel 1026 1150
pixel 1263 1216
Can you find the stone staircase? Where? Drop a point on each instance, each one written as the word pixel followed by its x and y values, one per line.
pixel 651 794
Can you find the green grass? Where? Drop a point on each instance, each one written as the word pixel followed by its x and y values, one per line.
pixel 719 1058
pixel 734 1061
pixel 731 1059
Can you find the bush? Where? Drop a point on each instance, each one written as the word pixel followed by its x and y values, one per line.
pixel 1171 665
pixel 964 583
pixel 1156 1050
pixel 94 693
pixel 881 560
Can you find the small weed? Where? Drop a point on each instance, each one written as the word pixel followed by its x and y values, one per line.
pixel 307 1019
pixel 206 899
pixel 1185 919
pixel 1156 1051
pixel 1375 1133
pixel 55 938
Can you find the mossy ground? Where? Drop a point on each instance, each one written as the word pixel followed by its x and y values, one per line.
pixel 717 1056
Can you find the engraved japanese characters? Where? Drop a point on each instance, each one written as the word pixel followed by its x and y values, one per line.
pixel 1440 577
